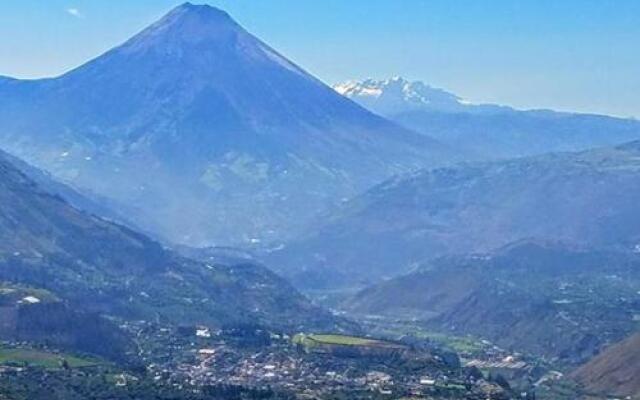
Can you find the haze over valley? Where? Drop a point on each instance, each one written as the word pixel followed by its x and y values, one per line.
pixel 193 215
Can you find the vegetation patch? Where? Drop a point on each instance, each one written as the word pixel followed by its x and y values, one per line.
pixel 10 292
pixel 44 359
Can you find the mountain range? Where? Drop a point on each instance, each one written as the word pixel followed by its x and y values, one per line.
pixel 202 134
pixel 584 198
pixel 486 131
pixel 150 184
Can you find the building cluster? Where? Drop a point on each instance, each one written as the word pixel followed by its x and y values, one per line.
pixel 197 359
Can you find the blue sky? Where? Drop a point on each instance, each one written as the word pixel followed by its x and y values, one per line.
pixel 581 55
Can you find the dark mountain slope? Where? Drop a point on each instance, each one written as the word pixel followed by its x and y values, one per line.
pixel 614 372
pixel 35 315
pixel 546 299
pixel 98 266
pixel 587 198
pixel 202 133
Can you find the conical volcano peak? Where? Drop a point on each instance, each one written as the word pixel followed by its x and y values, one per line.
pixel 204 13
pixel 192 47
pixel 188 24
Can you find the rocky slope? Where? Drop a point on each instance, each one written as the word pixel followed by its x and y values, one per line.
pixel 614 372
pixel 203 134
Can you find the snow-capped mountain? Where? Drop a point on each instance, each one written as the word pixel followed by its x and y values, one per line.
pixel 485 130
pixel 204 134
pixel 398 95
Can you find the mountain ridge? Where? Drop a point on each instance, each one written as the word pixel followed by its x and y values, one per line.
pixel 486 131
pixel 471 208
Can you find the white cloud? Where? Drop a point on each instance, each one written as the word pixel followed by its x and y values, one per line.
pixel 75 12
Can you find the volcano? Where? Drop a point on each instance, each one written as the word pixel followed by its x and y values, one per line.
pixel 204 135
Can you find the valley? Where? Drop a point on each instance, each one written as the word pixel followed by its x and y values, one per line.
pixel 579 303
pixel 198 361
pixel 190 215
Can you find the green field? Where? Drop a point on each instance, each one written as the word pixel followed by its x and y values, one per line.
pixel 41 359
pixel 342 340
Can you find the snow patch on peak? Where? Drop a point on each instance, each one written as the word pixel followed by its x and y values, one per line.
pixel 355 88
pixel 396 95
